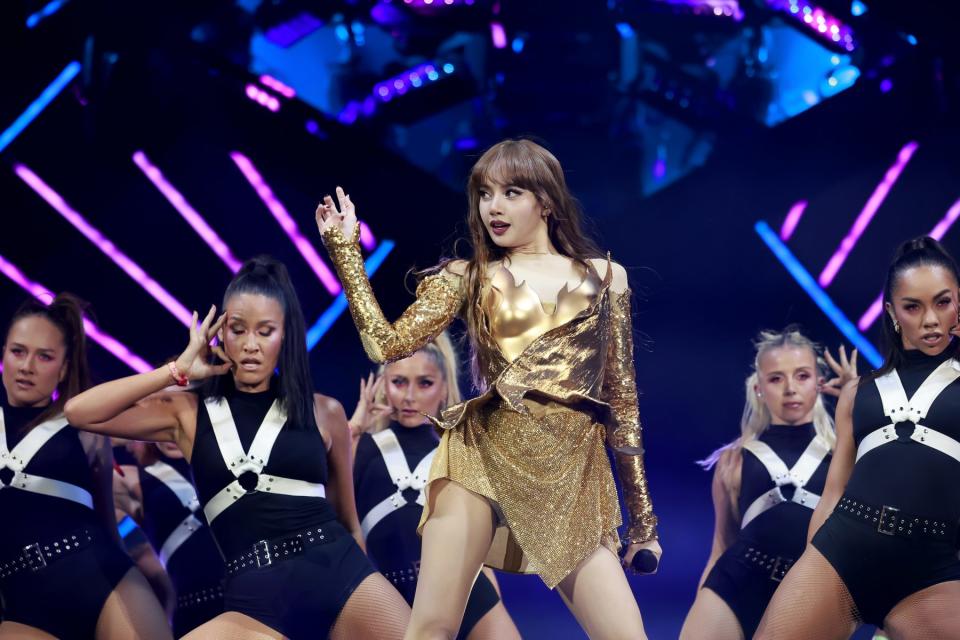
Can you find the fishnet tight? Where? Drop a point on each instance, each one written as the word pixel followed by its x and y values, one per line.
pixel 812 603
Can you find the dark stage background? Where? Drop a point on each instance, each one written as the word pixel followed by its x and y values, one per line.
pixel 680 124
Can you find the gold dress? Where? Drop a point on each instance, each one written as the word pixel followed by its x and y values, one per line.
pixel 560 384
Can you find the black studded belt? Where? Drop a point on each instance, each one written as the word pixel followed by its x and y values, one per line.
pixel 774 566
pixel 266 552
pixel 403 575
pixel 891 521
pixel 200 597
pixel 37 555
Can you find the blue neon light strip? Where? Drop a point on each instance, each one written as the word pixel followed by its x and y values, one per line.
pixel 806 281
pixel 46 12
pixel 339 305
pixel 126 526
pixel 38 105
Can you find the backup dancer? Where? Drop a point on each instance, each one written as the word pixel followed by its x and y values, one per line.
pixel 63 572
pixel 766 484
pixel 521 479
pixel 390 475
pixel 271 461
pixel 884 535
pixel 166 504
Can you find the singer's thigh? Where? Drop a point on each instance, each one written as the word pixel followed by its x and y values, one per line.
pixel 599 596
pixel 928 613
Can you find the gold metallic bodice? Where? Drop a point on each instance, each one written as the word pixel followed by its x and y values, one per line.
pixel 516 316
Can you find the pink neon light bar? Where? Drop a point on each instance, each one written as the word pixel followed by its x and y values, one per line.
pixel 792 220
pixel 190 214
pixel 866 215
pixel 131 268
pixel 109 343
pixel 285 90
pixel 498 35
pixel 289 226
pixel 871 314
pixel 366 237
pixel 262 98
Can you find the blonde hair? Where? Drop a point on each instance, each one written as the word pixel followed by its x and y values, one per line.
pixel 756 416
pixel 443 354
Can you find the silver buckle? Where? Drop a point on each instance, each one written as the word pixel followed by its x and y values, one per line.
pixel 257 551
pixel 776 569
pixel 33 556
pixel 883 513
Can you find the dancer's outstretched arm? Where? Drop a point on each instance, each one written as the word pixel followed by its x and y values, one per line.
pixel 136 407
pixel 439 296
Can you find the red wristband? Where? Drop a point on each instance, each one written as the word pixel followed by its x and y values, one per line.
pixel 178 377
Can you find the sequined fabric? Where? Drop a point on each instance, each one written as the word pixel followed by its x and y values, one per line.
pixel 559 385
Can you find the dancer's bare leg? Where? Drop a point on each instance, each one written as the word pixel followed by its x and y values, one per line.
pixel 16 631
pixel 599 596
pixel 456 539
pixel 132 612
pixel 711 618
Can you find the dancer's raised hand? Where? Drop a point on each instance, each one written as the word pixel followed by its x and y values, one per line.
pixel 342 214
pixel 193 362
pixel 845 370
pixel 368 410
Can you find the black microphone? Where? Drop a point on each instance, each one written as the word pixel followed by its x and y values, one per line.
pixel 645 561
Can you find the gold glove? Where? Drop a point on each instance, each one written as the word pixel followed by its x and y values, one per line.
pixel 624 435
pixel 439 297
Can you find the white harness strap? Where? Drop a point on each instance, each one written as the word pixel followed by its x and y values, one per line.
pixel 238 462
pixel 187 495
pixel 400 475
pixel 18 459
pixel 798 476
pixel 898 409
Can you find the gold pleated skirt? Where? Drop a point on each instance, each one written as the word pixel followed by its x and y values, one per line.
pixel 548 478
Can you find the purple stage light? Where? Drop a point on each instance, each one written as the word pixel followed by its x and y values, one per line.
pixel 866 215
pixel 498 35
pixel 792 220
pixel 286 222
pixel 276 85
pixel 99 336
pixel 937 233
pixel 886 85
pixel 129 267
pixel 822 23
pixel 386 90
pixel 189 214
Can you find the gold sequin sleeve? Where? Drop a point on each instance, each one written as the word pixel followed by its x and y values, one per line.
pixel 439 297
pixel 624 435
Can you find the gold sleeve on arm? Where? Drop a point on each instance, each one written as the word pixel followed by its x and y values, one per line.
pixel 439 297
pixel 624 435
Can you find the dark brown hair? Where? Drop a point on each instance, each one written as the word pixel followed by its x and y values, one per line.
pixel 66 313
